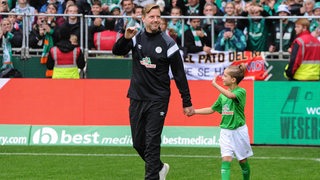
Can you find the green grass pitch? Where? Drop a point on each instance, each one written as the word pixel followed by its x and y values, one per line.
pixel 122 163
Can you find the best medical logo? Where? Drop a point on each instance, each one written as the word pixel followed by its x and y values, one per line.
pixel 120 136
pixel 71 136
pixel 47 135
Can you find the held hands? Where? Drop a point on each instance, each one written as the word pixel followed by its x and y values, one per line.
pixel 188 111
pixel 130 32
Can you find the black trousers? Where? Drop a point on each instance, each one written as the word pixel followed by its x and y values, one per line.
pixel 146 121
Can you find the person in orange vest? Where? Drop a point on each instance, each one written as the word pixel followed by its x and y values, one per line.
pixel 304 64
pixel 65 58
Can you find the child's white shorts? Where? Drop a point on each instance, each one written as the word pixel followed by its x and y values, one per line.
pixel 235 143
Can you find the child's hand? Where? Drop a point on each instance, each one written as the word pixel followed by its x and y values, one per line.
pixel 214 80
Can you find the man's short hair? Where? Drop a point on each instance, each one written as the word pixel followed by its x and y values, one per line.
pixel 192 18
pixel 231 21
pixel 121 3
pixel 96 2
pixel 148 8
pixel 72 5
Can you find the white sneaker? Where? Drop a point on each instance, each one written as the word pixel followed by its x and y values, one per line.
pixel 164 171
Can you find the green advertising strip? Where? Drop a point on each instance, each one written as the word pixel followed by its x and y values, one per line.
pixel 14 135
pixel 287 113
pixel 104 136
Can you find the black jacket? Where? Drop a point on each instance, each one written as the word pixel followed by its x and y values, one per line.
pixel 74 29
pixel 35 39
pixel 152 55
pixel 190 42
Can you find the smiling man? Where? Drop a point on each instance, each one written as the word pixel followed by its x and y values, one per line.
pixel 153 52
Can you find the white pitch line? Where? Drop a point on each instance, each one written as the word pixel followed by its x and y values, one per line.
pixel 135 155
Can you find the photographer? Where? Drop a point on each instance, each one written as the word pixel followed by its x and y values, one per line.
pixel 231 38
pixel 196 39
pixel 41 38
pixel 37 34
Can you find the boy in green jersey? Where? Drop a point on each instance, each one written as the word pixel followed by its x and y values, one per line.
pixel 234 137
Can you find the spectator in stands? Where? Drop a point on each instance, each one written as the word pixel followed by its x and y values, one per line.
pixel 16 31
pixel 13 19
pixel 56 2
pixel 260 31
pixel 112 23
pixel 143 2
pixel 220 10
pixel 67 3
pixel 106 4
pixel 96 9
pixel 136 15
pixel 72 23
pixel 169 31
pixel 95 24
pixel 4 8
pixel 196 39
pixel 315 23
pixel 316 33
pixel 37 4
pixel 239 6
pixel 162 5
pixel 37 34
pixel 219 3
pixel 127 7
pixel 288 33
pixel 304 64
pixel 169 5
pixel 268 6
pixel 65 58
pixel 83 7
pixel 231 38
pixel 230 9
pixel 23 7
pixel 17 19
pixel 296 8
pixel 211 10
pixel 11 4
pixel 54 21
pixel 176 23
pixel 308 6
pixel 41 37
pixel 8 36
pixel 194 7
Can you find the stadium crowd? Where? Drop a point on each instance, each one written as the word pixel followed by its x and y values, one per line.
pixel 202 32
pixel 257 34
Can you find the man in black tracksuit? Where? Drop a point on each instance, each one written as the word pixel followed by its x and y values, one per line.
pixel 152 53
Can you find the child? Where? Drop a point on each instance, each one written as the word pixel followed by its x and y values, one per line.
pixel 234 138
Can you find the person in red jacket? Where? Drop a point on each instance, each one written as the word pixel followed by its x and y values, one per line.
pixel 304 64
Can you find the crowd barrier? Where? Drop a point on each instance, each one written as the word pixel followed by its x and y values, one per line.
pixel 118 68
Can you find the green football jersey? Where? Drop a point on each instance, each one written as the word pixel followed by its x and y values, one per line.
pixel 232 110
